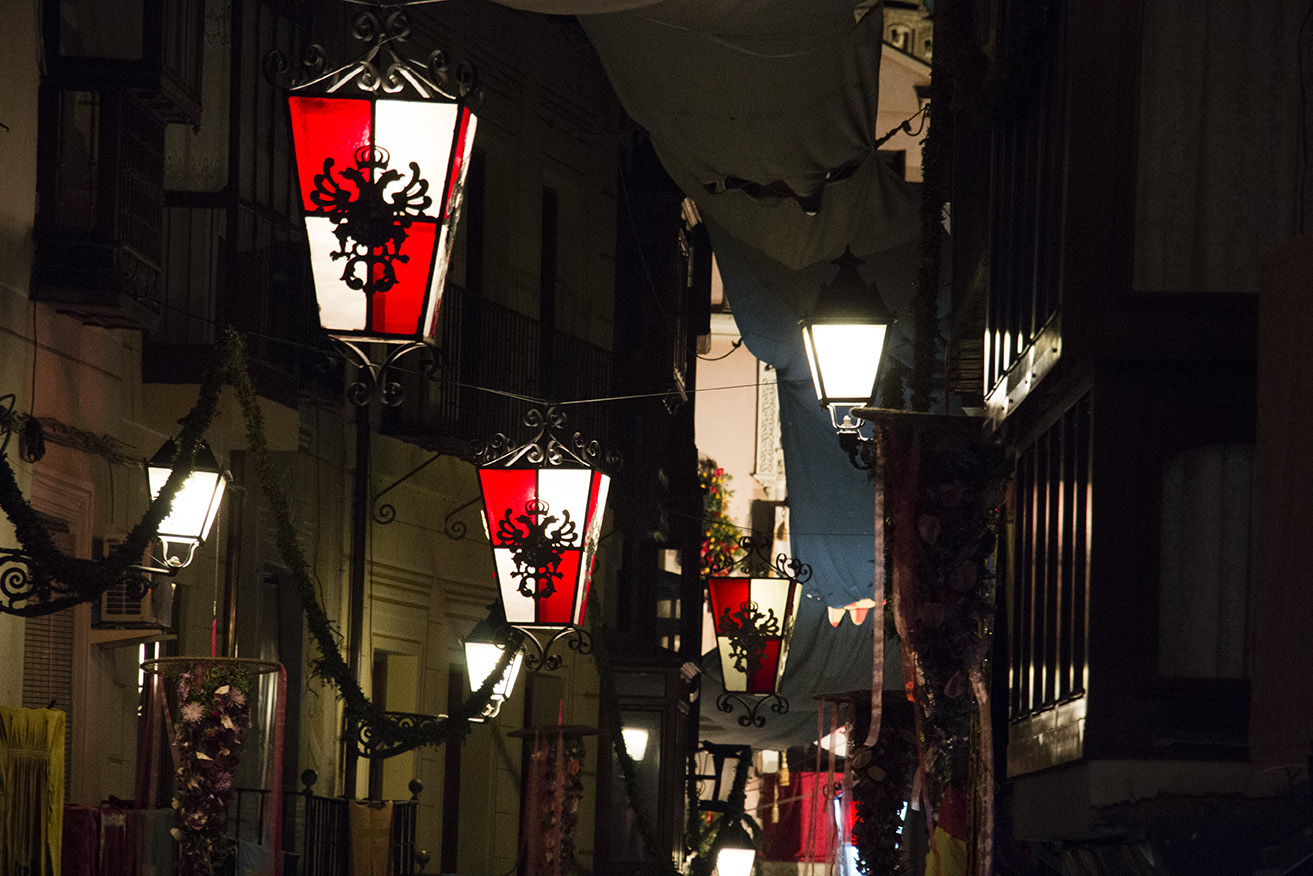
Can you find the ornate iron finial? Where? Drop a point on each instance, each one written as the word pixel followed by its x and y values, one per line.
pixel 549 446
pixel 756 560
pixel 381 68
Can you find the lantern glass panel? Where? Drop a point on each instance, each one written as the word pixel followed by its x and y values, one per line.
pixel 844 360
pixel 735 862
pixel 380 191
pixel 635 742
pixel 195 506
pixel 544 525
pixel 481 659
pixel 753 619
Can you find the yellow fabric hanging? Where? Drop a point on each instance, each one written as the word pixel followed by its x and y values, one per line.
pixel 370 824
pixel 31 791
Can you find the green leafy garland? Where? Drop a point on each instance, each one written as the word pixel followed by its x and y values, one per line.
pixel 610 704
pixel 87 579
pixel 329 666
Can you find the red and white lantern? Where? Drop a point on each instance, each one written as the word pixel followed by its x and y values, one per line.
pixel 753 619
pixel 544 525
pixel 381 181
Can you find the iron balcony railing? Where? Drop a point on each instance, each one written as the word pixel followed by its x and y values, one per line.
pixel 316 830
pixel 494 363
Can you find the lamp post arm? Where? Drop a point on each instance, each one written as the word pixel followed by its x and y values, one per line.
pixel 386 513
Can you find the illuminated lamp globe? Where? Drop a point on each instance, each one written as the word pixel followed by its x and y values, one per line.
pixel 843 337
pixel 737 851
pixel 195 505
pixel 482 654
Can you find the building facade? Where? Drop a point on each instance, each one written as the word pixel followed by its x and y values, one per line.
pixel 1109 247
pixel 152 204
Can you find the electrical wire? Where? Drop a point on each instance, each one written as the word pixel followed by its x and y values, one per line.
pixel 733 347
pixel 403 369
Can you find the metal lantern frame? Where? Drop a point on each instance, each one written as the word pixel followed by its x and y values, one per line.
pixel 382 147
pixel 753 643
pixel 32 584
pixel 195 507
pixel 850 317
pixel 485 638
pixel 544 500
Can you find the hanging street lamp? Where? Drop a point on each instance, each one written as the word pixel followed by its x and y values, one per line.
pixel 732 851
pixel 195 506
pixel 753 616
pixel 42 580
pixel 843 336
pixel 543 504
pixel 382 147
pixel 483 652
pixel 737 851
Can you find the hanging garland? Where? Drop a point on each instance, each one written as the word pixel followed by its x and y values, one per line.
pixel 556 787
pixel 330 667
pixel 85 580
pixel 945 486
pixel 88 579
pixel 52 580
pixel 610 704
pixel 956 522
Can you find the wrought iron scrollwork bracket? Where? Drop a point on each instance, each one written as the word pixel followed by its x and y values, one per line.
pixel 861 451
pixel 375 748
pixel 752 705
pixel 455 529
pixel 29 590
pixel 381 68
pixel 538 656
pixel 375 379
pixel 386 512
pixel 549 445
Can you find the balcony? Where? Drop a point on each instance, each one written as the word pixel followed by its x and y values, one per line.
pixel 98 229
pixel 150 48
pixel 493 362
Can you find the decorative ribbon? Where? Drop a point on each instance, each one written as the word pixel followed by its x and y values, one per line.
pixel 274 825
pixel 985 789
pixel 877 633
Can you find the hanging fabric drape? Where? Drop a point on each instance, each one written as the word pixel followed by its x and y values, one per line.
pixel 31 791
pixel 370 824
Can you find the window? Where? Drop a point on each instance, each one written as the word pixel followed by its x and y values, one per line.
pixel 1051 573
pixel 1204 562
